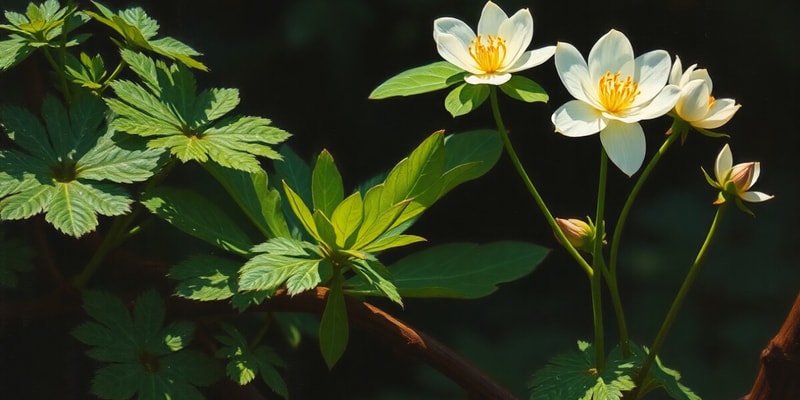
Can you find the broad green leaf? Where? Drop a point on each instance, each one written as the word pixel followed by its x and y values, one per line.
pixel 463 270
pixel 573 375
pixel 88 72
pixel 524 89
pixel 334 330
pixel 13 50
pixel 267 361
pixel 325 229
pixel 428 78
pixel 470 155
pixel 465 98
pixel 659 375
pixel 206 278
pixel 74 206
pixel 390 242
pixel 296 172
pixel 326 184
pixel 244 363
pixel 197 216
pixel 28 202
pixel 148 316
pixel 307 276
pixel 119 159
pixel 382 223
pixel 347 218
pixel 377 276
pixel 268 272
pixel 251 191
pixel 27 132
pixel 286 247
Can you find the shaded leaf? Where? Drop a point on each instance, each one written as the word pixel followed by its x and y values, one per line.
pixel 334 330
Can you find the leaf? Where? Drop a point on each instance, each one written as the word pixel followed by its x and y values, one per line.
pixel 428 78
pixel 74 205
pixel 206 278
pixel 334 330
pixel 470 155
pixel 524 89
pixel 13 50
pixel 465 98
pixel 462 270
pixel 244 364
pixel 251 191
pixel 301 211
pixel 282 260
pixel 197 216
pixel 392 241
pixel 326 184
pixel 119 159
pixel 376 275
pixel 659 375
pixel 347 218
pixel 573 375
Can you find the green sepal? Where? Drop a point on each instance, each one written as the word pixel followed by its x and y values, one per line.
pixel 465 98
pixel 427 78
pixel 711 181
pixel 334 330
pixel 524 89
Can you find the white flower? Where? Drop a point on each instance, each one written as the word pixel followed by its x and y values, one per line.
pixel 496 51
pixel 735 180
pixel 613 92
pixel 696 105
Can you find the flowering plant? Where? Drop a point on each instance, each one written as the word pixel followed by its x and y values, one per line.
pixel 244 237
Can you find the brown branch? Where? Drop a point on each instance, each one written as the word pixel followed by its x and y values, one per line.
pixel 403 338
pixel 779 376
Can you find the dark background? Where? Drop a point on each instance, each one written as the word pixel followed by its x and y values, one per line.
pixel 309 65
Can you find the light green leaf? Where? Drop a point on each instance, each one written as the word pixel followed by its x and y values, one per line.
pixel 197 216
pixel 380 224
pixel 13 50
pixel 524 89
pixel 347 218
pixel 463 270
pixel 392 241
pixel 73 205
pixel 428 78
pixel 119 159
pixel 659 375
pixel 465 98
pixel 301 211
pixel 268 272
pixel 377 276
pixel 334 330
pixel 325 229
pixel 326 184
pixel 28 202
pixel 305 276
pixel 206 278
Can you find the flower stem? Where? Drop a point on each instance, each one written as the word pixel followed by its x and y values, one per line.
pixel 611 279
pixel 679 298
pixel 562 238
pixel 598 265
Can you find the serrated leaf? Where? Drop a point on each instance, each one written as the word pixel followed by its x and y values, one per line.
pixel 334 330
pixel 326 184
pixel 268 272
pixel 74 206
pixel 427 78
pixel 524 89
pixel 27 132
pixel 463 270
pixel 197 216
pixel 659 375
pixel 13 50
pixel 206 278
pixel 377 276
pixel 119 159
pixel 465 98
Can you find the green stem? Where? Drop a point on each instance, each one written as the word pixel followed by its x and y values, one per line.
pixel 117 70
pixel 598 265
pixel 679 298
pixel 562 238
pixel 59 71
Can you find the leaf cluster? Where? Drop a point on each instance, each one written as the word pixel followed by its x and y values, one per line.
pixel 245 363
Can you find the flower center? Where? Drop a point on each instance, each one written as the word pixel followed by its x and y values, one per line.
pixel 489 54
pixel 711 100
pixel 615 94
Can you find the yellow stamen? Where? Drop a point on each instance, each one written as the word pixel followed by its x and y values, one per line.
pixel 489 56
pixel 616 95
pixel 711 100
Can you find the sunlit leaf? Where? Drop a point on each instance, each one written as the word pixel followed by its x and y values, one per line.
pixel 524 89
pixel 465 98
pixel 428 78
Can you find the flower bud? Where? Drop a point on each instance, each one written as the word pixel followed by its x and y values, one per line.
pixel 579 233
pixel 742 176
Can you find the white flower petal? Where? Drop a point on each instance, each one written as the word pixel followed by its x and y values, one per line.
pixel 703 75
pixel 676 72
pixel 532 58
pixel 687 75
pixel 612 52
pixel 719 114
pixel 492 79
pixel 651 73
pixel 693 102
pixel 454 27
pixel 454 52
pixel 518 32
pixel 573 71
pixel 624 144
pixel 576 119
pixel 491 18
pixel 756 173
pixel 755 197
pixel 723 163
pixel 660 105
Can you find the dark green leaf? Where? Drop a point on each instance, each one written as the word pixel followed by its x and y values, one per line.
pixel 428 78
pixel 16 257
pixel 206 277
pixel 197 216
pixel 334 330
pixel 470 155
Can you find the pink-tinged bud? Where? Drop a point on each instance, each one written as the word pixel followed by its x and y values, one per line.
pixel 742 176
pixel 579 233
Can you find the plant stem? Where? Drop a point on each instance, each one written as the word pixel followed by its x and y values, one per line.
pixel 117 70
pixel 598 265
pixel 679 298
pixel 59 71
pixel 562 238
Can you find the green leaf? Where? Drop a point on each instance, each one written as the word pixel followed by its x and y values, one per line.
pixel 428 78
pixel 74 206
pixel 206 278
pixel 301 211
pixel 13 50
pixel 465 98
pixel 470 155
pixel 197 216
pixel 524 89
pixel 462 270
pixel 45 24
pixel 282 260
pixel 391 241
pixel 120 159
pixel 251 191
pixel 659 375
pixel 347 218
pixel 573 375
pixel 334 330
pixel 17 257
pixel 27 132
pixel 244 364
pixel 377 276
pixel 326 184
